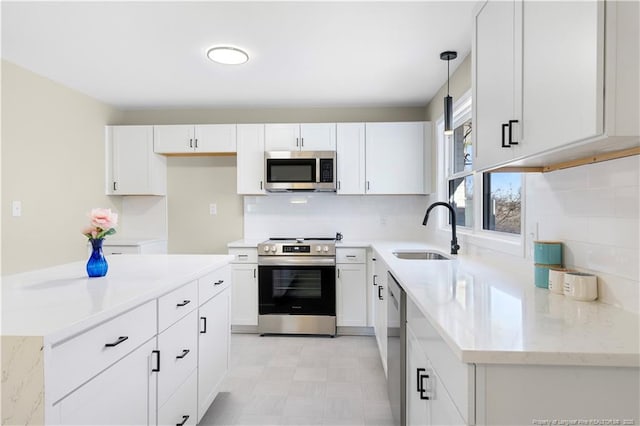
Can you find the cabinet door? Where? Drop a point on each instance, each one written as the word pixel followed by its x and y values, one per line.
pixel 494 79
pixel 134 168
pixel 213 352
pixel 250 158
pixel 122 394
pixel 395 158
pixel 182 407
pixel 351 295
pixel 244 298
pixel 282 137
pixel 350 158
pixel 417 408
pixel 563 73
pixel 215 138
pixel 173 139
pixel 380 321
pixel 178 347
pixel 318 137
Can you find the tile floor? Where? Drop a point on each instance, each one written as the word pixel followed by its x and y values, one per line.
pixel 294 380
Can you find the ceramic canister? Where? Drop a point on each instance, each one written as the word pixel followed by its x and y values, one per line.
pixel 556 279
pixel 547 252
pixel 580 286
pixel 541 275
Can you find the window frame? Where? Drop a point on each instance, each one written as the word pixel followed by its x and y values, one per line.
pixel 476 235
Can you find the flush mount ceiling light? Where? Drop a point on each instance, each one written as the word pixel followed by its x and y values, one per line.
pixel 227 55
pixel 448 100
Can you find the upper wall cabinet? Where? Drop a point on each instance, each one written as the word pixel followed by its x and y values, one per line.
pixel 132 167
pixel 201 139
pixel 398 158
pixel 553 80
pixel 250 160
pixel 350 158
pixel 300 137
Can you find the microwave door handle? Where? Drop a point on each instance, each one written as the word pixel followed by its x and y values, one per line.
pixel 317 170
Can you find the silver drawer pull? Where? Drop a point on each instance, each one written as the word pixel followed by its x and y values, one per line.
pixel 117 342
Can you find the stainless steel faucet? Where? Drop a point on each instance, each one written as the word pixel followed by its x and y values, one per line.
pixel 452 215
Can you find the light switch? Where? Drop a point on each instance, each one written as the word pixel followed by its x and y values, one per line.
pixel 213 209
pixel 16 208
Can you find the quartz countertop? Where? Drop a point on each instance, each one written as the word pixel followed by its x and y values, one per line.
pixel 491 313
pixel 61 301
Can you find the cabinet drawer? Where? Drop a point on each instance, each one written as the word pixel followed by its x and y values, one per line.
pixel 177 304
pixel 109 250
pixel 178 347
pixel 182 403
pixel 457 378
pixel 76 360
pixel 244 255
pixel 351 255
pixel 213 283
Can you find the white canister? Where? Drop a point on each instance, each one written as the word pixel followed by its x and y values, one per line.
pixel 556 280
pixel 581 286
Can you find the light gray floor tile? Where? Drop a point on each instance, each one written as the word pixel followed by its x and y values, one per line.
pixel 293 380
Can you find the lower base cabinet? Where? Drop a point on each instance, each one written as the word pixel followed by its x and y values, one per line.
pixel 213 348
pixel 124 393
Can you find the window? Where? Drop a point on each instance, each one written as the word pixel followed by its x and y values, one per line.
pixel 489 201
pixel 501 202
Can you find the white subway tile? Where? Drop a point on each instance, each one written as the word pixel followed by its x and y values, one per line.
pixel 627 202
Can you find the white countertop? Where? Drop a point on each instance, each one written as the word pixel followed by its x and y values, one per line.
pixel 61 301
pixel 492 313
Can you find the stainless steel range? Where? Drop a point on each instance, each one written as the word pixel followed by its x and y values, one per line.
pixel 297 286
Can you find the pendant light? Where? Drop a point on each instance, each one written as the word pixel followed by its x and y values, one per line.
pixel 448 100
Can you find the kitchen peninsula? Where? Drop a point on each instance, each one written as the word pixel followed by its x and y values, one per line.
pixel 73 346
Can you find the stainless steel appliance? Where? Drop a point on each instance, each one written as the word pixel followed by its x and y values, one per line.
pixel 297 286
pixel 287 171
pixel 396 350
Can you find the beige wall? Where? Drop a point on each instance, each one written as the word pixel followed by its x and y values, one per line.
pixel 53 162
pixel 459 84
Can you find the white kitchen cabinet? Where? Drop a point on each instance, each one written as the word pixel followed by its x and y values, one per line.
pixel 178 347
pixel 428 402
pixel 132 168
pixel 213 347
pixel 300 137
pixel 496 82
pixel 395 158
pixel 181 408
pixel 122 394
pixel 189 138
pixel 250 159
pixel 351 288
pixel 244 298
pixel 555 78
pixel 350 158
pixel 380 308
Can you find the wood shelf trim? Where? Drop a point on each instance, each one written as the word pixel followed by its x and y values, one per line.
pixel 598 158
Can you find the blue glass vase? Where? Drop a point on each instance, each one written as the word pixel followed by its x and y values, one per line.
pixel 97 264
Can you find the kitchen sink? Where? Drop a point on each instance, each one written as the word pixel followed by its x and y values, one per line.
pixel 419 255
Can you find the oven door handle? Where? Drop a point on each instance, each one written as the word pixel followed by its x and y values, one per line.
pixel 296 261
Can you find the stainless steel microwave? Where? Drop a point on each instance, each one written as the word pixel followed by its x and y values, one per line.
pixel 300 171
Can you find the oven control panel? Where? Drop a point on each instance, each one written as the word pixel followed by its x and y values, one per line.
pixel 294 248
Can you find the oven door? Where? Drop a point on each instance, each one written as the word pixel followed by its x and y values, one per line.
pixel 297 286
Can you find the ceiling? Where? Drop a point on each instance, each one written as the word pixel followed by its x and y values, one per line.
pixel 135 55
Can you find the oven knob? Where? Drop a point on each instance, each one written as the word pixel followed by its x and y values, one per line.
pixel 273 249
pixel 266 248
pixel 325 249
pixel 318 248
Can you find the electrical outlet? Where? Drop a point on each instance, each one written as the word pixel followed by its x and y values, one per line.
pixel 213 209
pixel 16 208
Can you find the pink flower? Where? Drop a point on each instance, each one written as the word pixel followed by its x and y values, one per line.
pixel 103 218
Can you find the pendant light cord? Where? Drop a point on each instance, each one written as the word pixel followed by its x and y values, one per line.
pixel 448 60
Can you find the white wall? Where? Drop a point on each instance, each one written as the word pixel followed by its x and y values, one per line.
pixel 595 211
pixel 322 215
pixel 53 161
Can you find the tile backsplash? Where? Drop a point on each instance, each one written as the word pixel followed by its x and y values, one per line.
pixel 322 215
pixel 595 211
